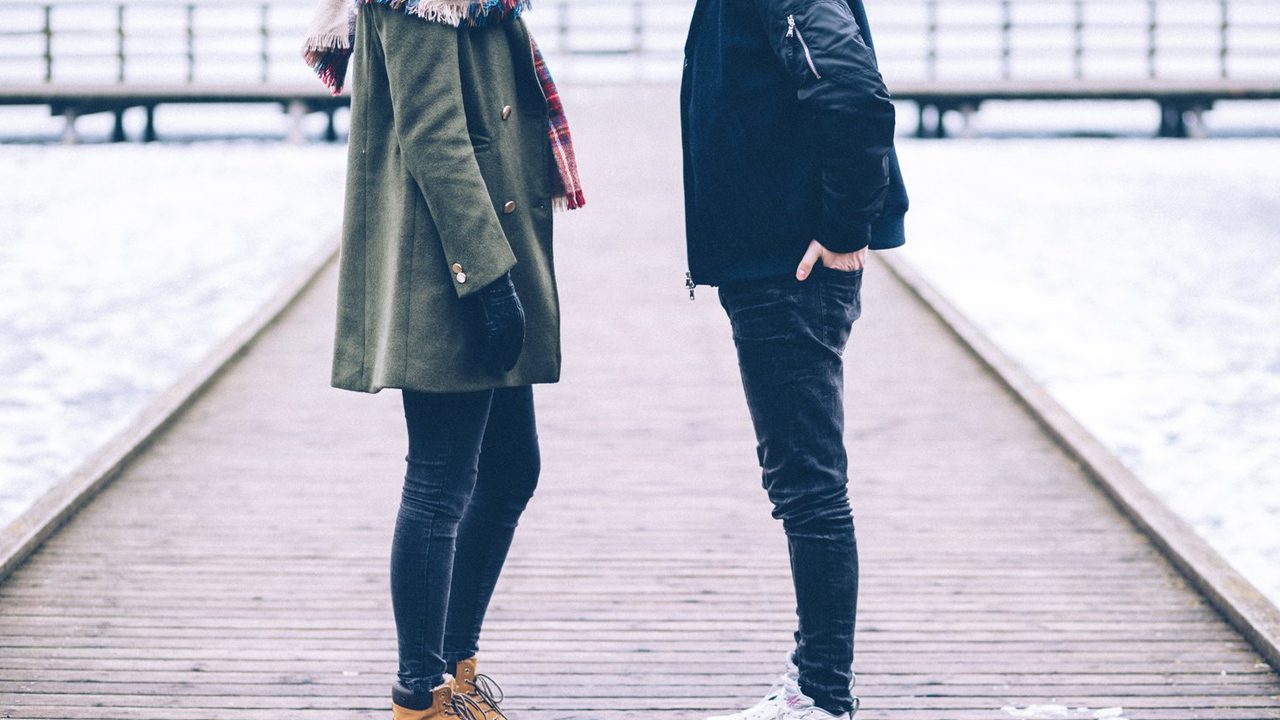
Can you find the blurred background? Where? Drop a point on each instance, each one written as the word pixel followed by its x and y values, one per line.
pixel 1096 183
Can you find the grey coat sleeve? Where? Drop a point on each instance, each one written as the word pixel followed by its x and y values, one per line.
pixel 431 125
pixel 839 84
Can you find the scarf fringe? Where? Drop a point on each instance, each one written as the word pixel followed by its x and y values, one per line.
pixel 451 12
pixel 326 43
pixel 564 202
pixel 330 66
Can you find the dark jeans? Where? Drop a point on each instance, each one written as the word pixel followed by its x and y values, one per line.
pixel 473 464
pixel 790 337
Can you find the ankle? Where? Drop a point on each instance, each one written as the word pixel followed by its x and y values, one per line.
pixel 416 696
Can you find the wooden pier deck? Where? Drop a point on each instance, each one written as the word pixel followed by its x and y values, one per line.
pixel 238 569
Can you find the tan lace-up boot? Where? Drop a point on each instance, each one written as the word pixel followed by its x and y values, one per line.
pixel 481 690
pixel 444 706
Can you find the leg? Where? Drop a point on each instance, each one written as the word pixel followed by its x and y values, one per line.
pixel 149 132
pixel 330 128
pixel 509 468
pixel 69 134
pixel 297 110
pixel 117 130
pixel 445 431
pixel 790 338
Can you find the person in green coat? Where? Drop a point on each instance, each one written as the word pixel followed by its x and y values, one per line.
pixel 459 152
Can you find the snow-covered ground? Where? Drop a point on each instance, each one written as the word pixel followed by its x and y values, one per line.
pixel 1139 281
pixel 121 266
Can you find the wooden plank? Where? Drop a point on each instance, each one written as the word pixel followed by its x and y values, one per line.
pixel 1244 606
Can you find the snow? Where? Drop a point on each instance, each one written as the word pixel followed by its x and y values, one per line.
pixel 1139 281
pixel 122 266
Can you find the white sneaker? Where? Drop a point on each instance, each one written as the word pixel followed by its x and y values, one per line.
pixel 770 706
pixel 796 705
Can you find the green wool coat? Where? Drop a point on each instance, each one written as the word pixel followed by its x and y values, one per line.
pixel 449 185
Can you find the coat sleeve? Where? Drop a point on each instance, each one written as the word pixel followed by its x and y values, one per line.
pixel 431 127
pixel 839 86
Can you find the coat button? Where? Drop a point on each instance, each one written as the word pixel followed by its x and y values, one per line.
pixel 506 112
pixel 457 268
pixel 510 207
pixel 461 278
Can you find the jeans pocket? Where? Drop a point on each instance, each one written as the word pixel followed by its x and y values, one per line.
pixel 849 276
pixel 842 302
pixel 761 309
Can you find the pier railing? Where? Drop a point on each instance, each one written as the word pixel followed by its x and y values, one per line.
pixel 140 41
pixel 1032 49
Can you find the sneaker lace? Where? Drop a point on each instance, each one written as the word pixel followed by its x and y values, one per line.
pixel 795 704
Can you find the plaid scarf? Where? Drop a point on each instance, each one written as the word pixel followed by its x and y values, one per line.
pixel 332 36
pixel 569 193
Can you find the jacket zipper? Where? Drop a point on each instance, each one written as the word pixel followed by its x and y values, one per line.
pixel 690 286
pixel 794 32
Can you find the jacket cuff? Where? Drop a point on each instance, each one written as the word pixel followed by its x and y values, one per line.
pixel 471 272
pixel 844 239
pixel 888 232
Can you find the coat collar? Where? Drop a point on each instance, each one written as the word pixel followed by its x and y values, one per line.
pixel 332 33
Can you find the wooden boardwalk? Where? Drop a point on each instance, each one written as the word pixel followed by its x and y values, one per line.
pixel 239 569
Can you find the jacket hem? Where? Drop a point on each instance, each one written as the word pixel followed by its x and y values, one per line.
pixel 496 384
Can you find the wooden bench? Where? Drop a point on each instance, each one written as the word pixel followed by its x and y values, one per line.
pixel 72 101
pixel 1177 99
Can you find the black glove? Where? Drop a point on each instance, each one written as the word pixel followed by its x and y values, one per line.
pixel 501 325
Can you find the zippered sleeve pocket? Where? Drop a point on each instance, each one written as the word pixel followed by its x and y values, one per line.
pixel 819 41
pixel 797 47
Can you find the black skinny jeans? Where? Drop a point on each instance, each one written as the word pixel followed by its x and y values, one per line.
pixel 473 464
pixel 791 337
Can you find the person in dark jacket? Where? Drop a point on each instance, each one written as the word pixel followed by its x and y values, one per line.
pixel 790 177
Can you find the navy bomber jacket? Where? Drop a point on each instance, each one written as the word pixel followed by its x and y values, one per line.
pixel 788 137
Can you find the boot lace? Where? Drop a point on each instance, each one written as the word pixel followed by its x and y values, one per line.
pixel 491 692
pixel 466 708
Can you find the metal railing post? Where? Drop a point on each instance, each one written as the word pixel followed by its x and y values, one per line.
pixel 637 40
pixel 120 56
pixel 1006 39
pixel 1078 59
pixel 1153 25
pixel 1224 47
pixel 48 43
pixel 637 27
pixel 562 29
pixel 191 43
pixel 931 35
pixel 265 30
